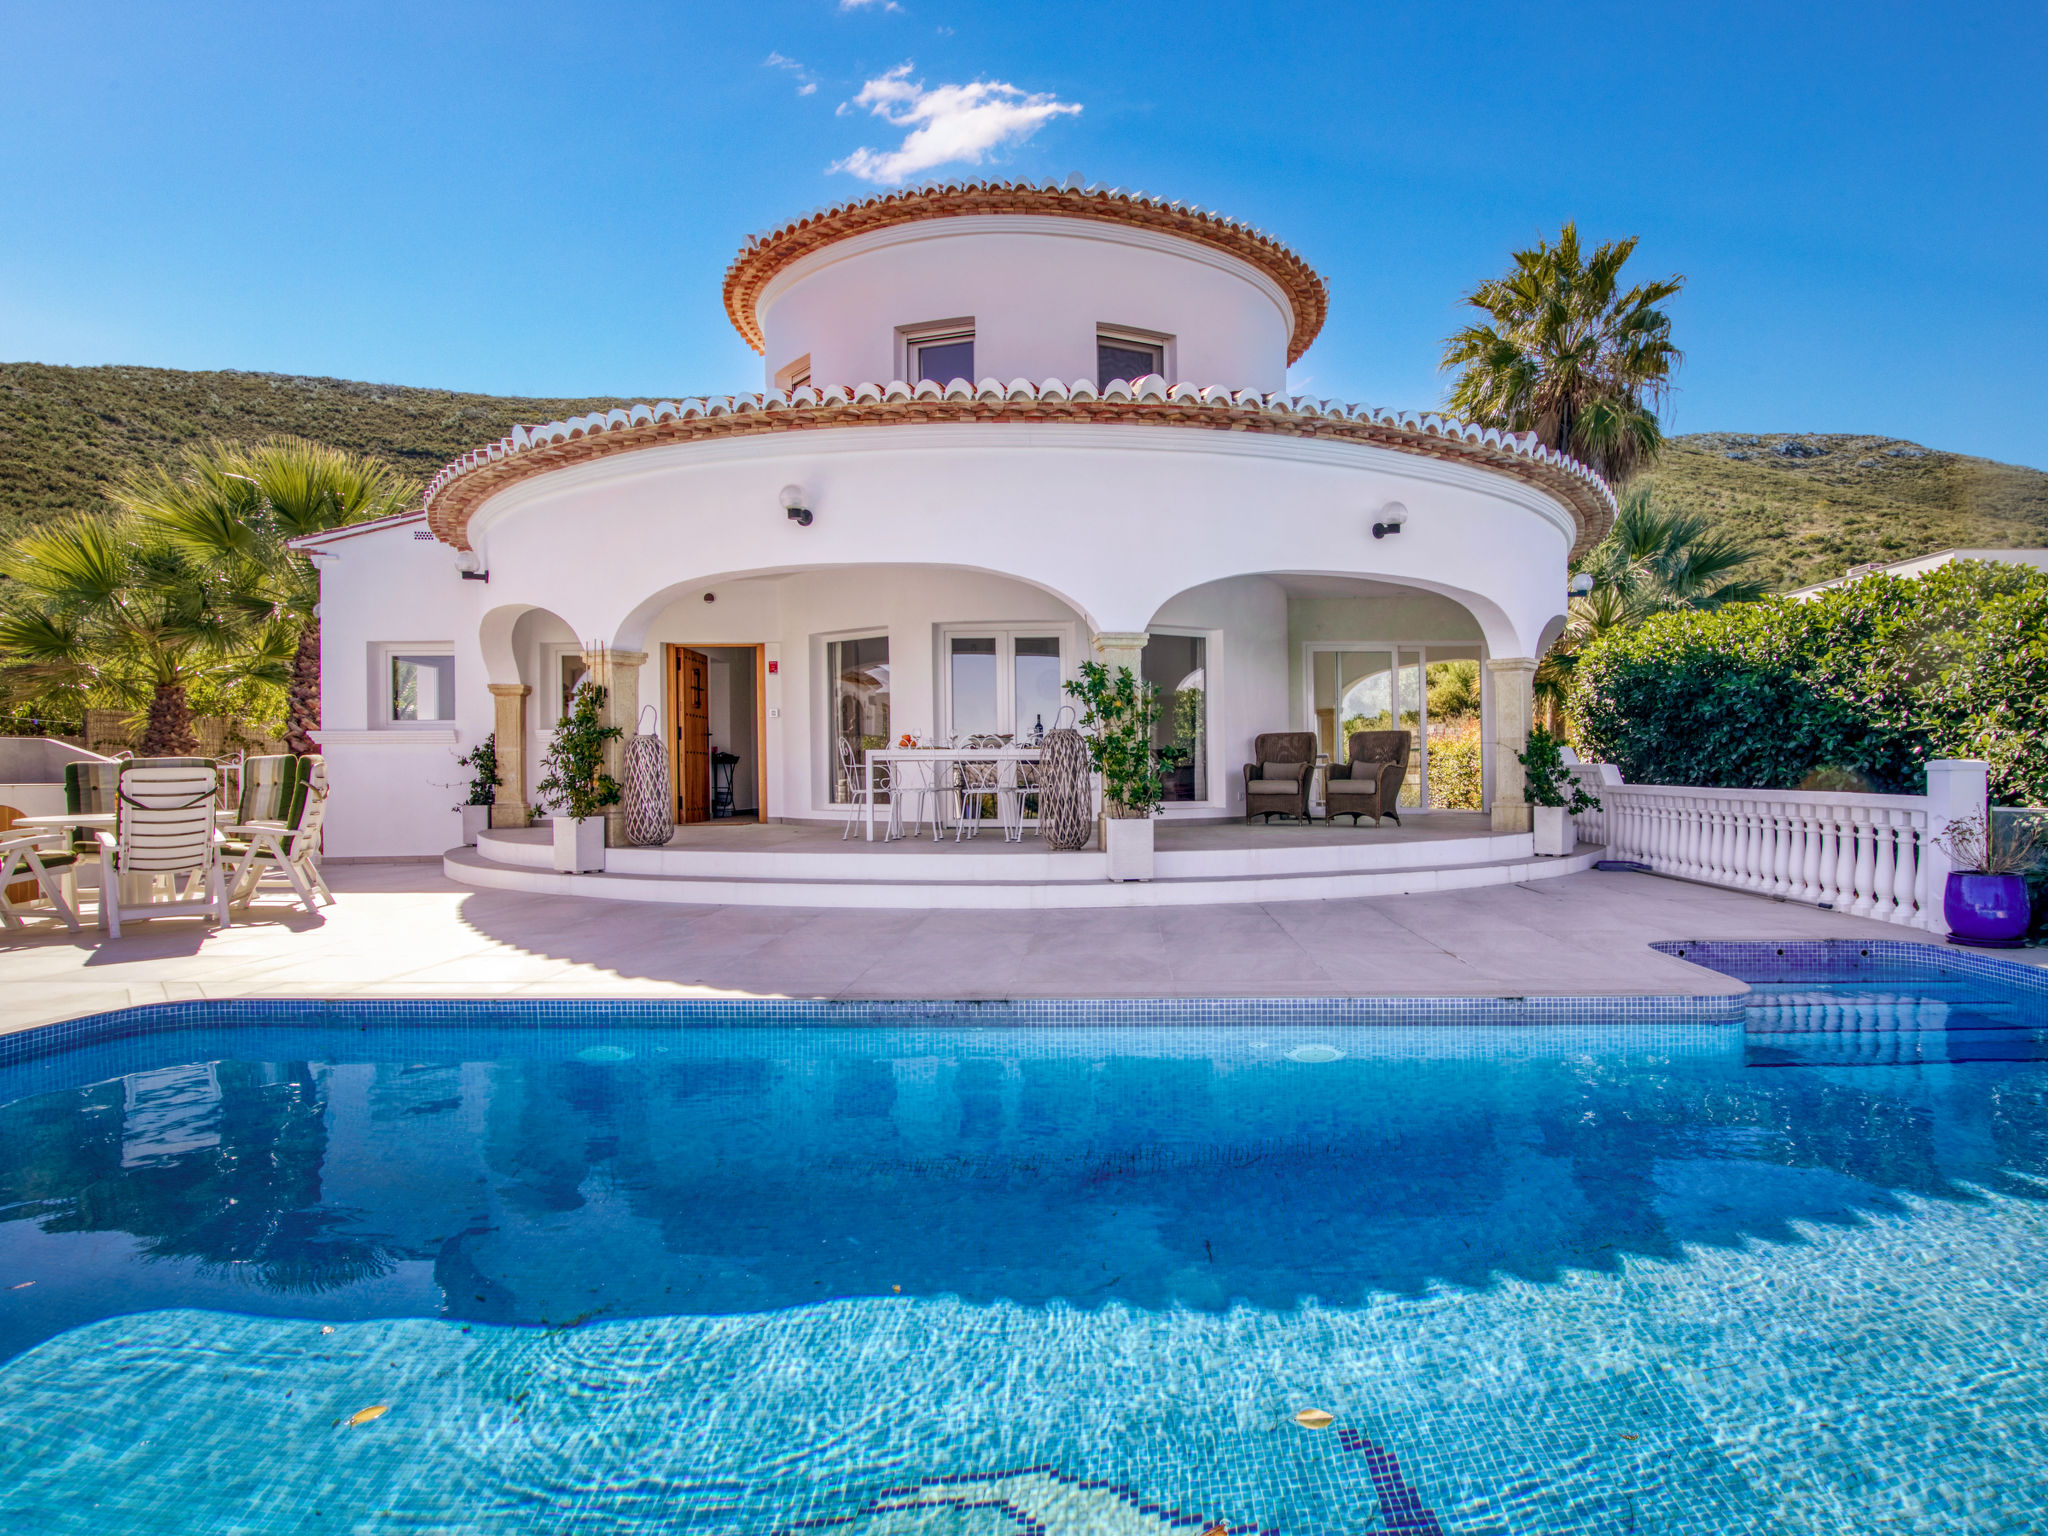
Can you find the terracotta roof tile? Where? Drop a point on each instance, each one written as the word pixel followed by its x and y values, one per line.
pixel 456 492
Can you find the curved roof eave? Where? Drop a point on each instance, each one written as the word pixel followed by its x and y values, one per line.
pixel 526 452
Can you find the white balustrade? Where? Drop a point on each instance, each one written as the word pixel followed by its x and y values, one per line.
pixel 1869 855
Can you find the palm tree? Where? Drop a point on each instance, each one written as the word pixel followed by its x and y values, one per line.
pixel 108 614
pixel 235 512
pixel 1567 353
pixel 1654 560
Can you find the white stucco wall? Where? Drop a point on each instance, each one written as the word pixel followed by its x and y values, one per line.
pixel 1035 289
pixel 1095 529
pixel 394 789
pixel 1116 521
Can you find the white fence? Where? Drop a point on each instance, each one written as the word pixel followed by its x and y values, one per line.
pixel 1868 855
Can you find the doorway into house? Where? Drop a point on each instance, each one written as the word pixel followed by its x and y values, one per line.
pixel 717 758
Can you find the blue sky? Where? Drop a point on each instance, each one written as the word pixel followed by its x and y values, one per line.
pixel 542 199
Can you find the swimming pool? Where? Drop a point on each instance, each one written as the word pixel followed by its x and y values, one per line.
pixel 631 1274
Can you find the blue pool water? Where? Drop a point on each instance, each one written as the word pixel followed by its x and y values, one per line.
pixel 941 1280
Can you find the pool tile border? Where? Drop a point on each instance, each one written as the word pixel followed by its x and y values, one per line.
pixel 727 1013
pixel 1758 960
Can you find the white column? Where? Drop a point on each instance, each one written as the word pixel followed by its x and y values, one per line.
pixel 1958 789
pixel 1514 679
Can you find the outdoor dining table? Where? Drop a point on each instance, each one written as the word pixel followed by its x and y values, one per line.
pixel 1005 759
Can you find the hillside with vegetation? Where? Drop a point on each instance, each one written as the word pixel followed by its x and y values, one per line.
pixel 1812 504
pixel 68 435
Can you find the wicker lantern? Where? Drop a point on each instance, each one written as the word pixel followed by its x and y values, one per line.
pixel 650 810
pixel 1066 814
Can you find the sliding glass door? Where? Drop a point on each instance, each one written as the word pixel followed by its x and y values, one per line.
pixel 1396 687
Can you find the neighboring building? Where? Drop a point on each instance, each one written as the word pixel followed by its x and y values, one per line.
pixel 1080 447
pixel 1920 565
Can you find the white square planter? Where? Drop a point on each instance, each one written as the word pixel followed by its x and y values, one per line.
pixel 1127 845
pixel 579 844
pixel 475 818
pixel 1554 834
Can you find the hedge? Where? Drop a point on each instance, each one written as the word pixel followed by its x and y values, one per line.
pixel 1857 687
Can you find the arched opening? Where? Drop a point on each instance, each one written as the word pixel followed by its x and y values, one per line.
pixel 1322 656
pixel 533 661
pixel 806 670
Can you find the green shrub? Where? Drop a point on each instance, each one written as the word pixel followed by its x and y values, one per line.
pixel 1454 780
pixel 1859 686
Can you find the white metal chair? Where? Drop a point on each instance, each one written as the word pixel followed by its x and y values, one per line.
pixel 853 771
pixel 917 785
pixel 164 828
pixel 27 857
pixel 287 850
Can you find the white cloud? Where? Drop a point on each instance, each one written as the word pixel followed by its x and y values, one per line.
pixel 947 123
pixel 861 5
pixel 806 86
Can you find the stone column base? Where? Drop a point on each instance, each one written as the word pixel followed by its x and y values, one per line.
pixel 1512 816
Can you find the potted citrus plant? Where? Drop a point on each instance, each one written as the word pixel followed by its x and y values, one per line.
pixel 1554 796
pixel 1118 713
pixel 1985 901
pixel 576 784
pixel 482 763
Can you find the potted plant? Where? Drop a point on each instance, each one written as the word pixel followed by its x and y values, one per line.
pixel 576 784
pixel 482 763
pixel 1554 796
pixel 1985 901
pixel 1118 713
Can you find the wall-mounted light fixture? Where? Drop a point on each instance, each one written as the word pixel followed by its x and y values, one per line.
pixel 1390 519
pixel 1581 585
pixel 793 504
pixel 472 566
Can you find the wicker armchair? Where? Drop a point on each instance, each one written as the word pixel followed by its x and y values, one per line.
pixel 1370 784
pixel 1277 783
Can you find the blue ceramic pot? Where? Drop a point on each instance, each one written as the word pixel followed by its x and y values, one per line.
pixel 1986 906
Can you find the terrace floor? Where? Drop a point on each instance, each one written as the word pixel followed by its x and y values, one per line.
pixel 405 930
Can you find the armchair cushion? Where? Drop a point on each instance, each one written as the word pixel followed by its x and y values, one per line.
pixel 1289 772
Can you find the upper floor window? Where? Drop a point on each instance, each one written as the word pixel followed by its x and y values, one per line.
pixel 1128 356
pixel 941 355
pixel 794 375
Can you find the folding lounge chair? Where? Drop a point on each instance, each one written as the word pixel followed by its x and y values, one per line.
pixel 287 849
pixel 27 858
pixel 164 828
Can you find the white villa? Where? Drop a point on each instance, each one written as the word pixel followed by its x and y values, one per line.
pixel 1028 425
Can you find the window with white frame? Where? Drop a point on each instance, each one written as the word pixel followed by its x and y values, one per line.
pixel 415 685
pixel 1128 355
pixel 1003 680
pixel 941 353
pixel 794 375
pixel 564 668
pixel 1177 667
pixel 857 696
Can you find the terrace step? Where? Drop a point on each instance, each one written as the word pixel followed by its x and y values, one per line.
pixel 894 889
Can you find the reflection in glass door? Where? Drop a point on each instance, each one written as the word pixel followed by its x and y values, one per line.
pixel 1002 684
pixel 972 678
pixel 1373 688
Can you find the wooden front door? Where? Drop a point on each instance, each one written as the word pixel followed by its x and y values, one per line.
pixel 690 709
